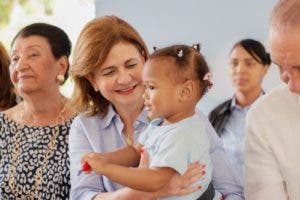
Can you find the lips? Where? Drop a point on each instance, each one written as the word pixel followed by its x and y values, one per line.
pixel 127 90
pixel 241 81
pixel 24 77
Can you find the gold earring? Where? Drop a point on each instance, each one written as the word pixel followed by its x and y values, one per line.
pixel 60 78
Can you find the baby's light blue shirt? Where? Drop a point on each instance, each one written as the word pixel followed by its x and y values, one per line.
pixel 176 146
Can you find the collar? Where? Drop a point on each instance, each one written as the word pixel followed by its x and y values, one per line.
pixel 233 104
pixel 113 115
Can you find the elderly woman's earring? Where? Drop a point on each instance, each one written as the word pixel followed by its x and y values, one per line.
pixel 60 78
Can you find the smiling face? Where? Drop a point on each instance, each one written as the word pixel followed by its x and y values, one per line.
pixel 246 73
pixel 162 91
pixel 33 66
pixel 285 52
pixel 119 78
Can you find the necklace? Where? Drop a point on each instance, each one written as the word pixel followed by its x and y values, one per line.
pixel 12 169
pixel 129 139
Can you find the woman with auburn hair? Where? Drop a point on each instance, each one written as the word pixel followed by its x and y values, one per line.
pixel 7 94
pixel 107 69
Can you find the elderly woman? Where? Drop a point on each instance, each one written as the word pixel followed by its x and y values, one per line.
pixel 7 94
pixel 34 134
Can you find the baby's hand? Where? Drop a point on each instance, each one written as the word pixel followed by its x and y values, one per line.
pixel 93 162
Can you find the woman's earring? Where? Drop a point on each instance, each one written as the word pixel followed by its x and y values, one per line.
pixel 60 78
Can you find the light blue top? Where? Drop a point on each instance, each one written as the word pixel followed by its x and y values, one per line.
pixel 96 134
pixel 233 138
pixel 176 146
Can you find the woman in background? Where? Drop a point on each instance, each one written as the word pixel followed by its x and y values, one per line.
pixel 249 63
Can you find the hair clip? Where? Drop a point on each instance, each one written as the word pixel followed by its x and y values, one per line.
pixel 207 78
pixel 180 53
pixel 197 46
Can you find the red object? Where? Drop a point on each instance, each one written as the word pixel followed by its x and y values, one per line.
pixel 86 167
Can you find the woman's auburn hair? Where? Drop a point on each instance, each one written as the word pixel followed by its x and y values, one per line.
pixel 94 44
pixel 8 95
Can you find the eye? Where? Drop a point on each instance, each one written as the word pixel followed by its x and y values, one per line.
pixel 32 55
pixel 234 63
pixel 14 59
pixel 131 65
pixel 249 63
pixel 151 87
pixel 108 72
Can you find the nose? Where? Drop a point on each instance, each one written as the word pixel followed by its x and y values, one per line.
pixel 21 64
pixel 124 77
pixel 240 68
pixel 145 95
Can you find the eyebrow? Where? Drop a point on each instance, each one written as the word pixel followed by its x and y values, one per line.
pixel 131 59
pixel 126 62
pixel 29 47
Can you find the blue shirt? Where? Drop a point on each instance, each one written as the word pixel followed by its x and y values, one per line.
pixel 176 146
pixel 96 134
pixel 233 138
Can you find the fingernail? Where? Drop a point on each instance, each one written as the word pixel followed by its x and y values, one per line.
pixel 203 172
pixel 204 165
pixel 142 150
pixel 199 187
pixel 197 162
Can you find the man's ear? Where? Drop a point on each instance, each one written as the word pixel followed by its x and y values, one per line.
pixel 186 90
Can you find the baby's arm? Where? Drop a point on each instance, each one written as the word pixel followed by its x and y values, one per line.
pixel 144 179
pixel 128 156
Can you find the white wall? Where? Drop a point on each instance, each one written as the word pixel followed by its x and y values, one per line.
pixel 216 24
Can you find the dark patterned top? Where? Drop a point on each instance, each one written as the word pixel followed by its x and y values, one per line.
pixel 33 147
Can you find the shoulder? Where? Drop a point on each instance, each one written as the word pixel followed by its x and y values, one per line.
pixel 272 102
pixel 87 120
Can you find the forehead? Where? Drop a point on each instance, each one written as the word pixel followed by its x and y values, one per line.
pixel 285 47
pixel 120 52
pixel 161 65
pixel 22 43
pixel 239 52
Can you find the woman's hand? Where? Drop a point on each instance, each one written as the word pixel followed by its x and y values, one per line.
pixel 183 184
pixel 178 185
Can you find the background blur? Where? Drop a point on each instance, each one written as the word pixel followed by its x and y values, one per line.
pixel 216 24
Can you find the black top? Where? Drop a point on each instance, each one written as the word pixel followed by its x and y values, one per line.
pixel 33 144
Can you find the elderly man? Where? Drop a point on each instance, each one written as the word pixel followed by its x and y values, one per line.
pixel 273 123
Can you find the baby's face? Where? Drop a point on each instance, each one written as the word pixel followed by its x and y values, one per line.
pixel 161 91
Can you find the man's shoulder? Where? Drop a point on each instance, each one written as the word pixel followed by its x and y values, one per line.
pixel 270 102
